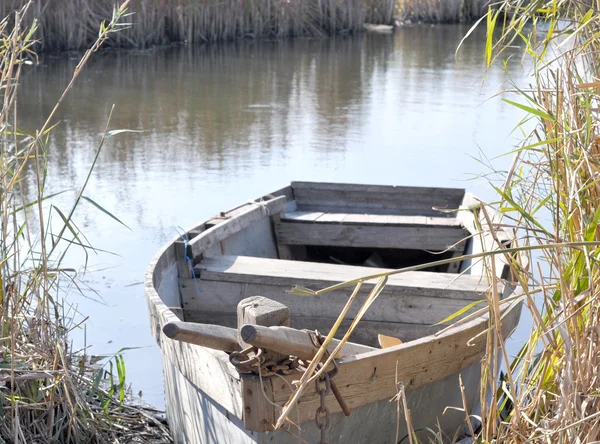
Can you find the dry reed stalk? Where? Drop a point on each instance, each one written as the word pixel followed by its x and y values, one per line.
pixel 48 395
pixel 553 193
pixel 71 24
pixel 442 11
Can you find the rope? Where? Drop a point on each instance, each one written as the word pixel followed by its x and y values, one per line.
pixel 184 237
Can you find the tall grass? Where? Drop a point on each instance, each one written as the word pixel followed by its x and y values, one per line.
pixel 49 392
pixel 71 24
pixel 553 192
pixel 442 11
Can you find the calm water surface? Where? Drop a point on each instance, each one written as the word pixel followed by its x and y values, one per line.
pixel 224 124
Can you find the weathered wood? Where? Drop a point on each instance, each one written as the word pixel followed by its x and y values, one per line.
pixel 285 191
pixel 212 336
pixel 259 310
pixel 392 305
pixel 259 416
pixel 192 362
pixel 287 252
pixel 302 216
pixel 368 219
pixel 250 270
pixel 242 218
pixel 331 217
pixel 370 377
pixel 366 334
pixel 178 311
pixel 293 342
pixel 257 239
pixel 374 199
pixel 195 417
pixel 264 312
pixel 434 238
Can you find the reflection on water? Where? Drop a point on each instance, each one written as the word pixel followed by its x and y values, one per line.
pixel 223 124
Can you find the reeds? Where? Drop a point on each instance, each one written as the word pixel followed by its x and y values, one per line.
pixel 441 11
pixel 553 193
pixel 49 393
pixel 71 24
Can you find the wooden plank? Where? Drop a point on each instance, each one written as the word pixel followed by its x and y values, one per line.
pixel 314 275
pixel 390 306
pixel 287 252
pixel 304 216
pixel 259 416
pixel 212 336
pixel 371 377
pixel 365 334
pixel 250 214
pixel 368 219
pixel 353 198
pixel 286 191
pixel 193 416
pixel 257 239
pixel 369 236
pixel 332 217
pixel 177 311
pixel 262 311
pixel 294 342
pixel 193 362
pixel 456 193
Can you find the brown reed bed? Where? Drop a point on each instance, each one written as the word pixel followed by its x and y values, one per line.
pixel 48 391
pixel 441 11
pixel 72 24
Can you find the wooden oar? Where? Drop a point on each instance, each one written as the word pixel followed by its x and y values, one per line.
pixel 290 341
pixel 206 335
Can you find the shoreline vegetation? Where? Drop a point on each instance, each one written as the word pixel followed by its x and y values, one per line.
pixel 72 24
pixel 50 392
pixel 550 197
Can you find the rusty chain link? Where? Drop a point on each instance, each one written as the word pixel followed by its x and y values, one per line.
pixel 322 413
pixel 318 340
pixel 252 359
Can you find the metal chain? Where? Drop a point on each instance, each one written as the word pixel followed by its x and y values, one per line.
pixel 252 360
pixel 322 387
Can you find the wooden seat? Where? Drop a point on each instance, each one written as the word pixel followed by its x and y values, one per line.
pixel 254 270
pixel 370 230
pixel 407 308
pixel 376 199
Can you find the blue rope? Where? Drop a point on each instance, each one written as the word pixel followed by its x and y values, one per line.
pixel 184 237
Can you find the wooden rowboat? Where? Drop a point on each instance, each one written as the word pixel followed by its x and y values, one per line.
pixel 224 286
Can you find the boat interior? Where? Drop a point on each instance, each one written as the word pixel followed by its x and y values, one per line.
pixel 316 235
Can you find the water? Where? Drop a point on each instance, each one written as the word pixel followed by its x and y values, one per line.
pixel 223 124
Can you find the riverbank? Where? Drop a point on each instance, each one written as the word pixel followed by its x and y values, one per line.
pixel 72 25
